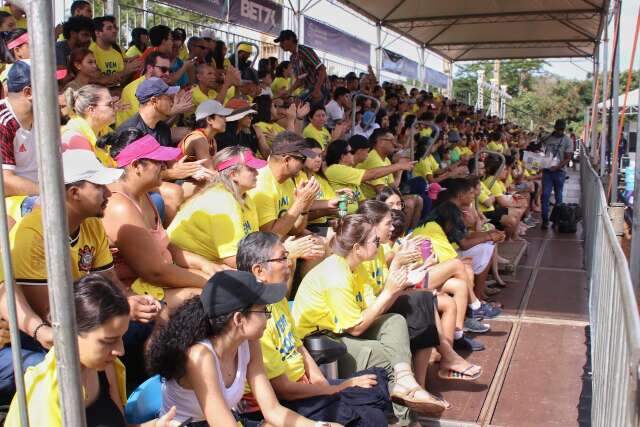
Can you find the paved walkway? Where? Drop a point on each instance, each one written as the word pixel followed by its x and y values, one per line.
pixel 536 359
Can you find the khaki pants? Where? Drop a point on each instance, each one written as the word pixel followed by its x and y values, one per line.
pixel 383 345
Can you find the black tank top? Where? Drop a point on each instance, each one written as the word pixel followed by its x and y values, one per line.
pixel 104 412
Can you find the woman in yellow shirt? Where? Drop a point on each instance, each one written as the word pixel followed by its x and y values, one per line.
pixel 515 204
pixel 139 42
pixel 316 128
pixel 94 112
pixel 283 81
pixel 102 318
pixel 269 113
pixel 332 297
pixel 211 223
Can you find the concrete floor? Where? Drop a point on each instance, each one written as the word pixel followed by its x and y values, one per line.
pixel 536 368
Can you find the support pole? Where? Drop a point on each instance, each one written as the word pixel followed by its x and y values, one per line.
pixel 634 260
pixel 605 99
pixel 46 124
pixel 379 50
pixel 480 81
pixel 594 107
pixel 615 114
pixel 145 15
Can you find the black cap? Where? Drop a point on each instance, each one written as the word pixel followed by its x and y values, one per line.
pixel 286 35
pixel 560 125
pixel 230 291
pixel 283 146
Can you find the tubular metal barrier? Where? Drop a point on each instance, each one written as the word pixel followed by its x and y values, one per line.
pixel 500 169
pixel 255 49
pixel 412 141
pixel 615 323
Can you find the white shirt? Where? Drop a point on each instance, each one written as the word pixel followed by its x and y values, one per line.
pixel 186 402
pixel 334 113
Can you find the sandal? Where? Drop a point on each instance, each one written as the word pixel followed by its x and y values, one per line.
pixel 451 374
pixel 433 405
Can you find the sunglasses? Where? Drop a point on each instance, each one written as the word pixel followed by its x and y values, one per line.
pixel 163 69
pixel 110 104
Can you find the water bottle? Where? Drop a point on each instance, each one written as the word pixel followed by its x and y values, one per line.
pixel 342 205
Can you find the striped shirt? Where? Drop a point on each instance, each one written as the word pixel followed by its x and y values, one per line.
pixel 306 64
pixel 17 145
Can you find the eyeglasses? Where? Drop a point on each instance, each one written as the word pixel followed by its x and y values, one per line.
pixel 283 258
pixel 266 312
pixel 162 68
pixel 300 158
pixel 110 104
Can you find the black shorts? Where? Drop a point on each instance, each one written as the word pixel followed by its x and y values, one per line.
pixel 495 215
pixel 418 309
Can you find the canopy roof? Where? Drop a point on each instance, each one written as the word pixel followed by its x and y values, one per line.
pixel 466 30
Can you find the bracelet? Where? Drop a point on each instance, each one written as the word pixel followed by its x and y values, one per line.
pixel 35 331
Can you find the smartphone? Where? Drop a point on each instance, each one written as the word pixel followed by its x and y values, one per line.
pixel 426 249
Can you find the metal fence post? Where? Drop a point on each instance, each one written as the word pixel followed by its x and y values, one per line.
pixel 634 258
pixel 605 99
pixel 615 114
pixel 47 131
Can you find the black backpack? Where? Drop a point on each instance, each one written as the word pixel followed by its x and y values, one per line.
pixel 566 216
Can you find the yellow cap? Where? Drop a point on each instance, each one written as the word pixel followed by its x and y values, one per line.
pixel 243 47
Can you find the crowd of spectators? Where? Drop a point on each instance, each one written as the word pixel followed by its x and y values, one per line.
pixel 222 212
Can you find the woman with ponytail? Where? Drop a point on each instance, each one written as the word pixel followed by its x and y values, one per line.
pixel 333 297
pixel 210 347
pixel 93 112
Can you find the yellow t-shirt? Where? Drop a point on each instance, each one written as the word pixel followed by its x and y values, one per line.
pixel 109 61
pixel 128 96
pixel 270 128
pixel 89 250
pixel 374 160
pixel 330 298
pixel 495 146
pixel 498 188
pixel 272 199
pixel 426 132
pixel 21 21
pixel 439 242
pixel 132 52
pixel 183 53
pixel 212 223
pixel 79 126
pixel 323 136
pixel 376 272
pixel 342 176
pixel 485 193
pixel 198 96
pixel 280 344
pixel 466 151
pixel 326 192
pixel 43 394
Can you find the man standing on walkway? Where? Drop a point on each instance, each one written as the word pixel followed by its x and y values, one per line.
pixel 558 146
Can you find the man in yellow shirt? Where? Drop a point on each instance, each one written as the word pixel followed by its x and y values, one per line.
pixel 215 84
pixel 110 61
pixel 155 65
pixel 292 371
pixel 283 208
pixel 382 146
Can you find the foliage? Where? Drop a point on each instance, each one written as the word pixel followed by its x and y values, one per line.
pixel 539 98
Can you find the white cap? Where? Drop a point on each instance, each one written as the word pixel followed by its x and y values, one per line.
pixel 82 165
pixel 210 34
pixel 211 107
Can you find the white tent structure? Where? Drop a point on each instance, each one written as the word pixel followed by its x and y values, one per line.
pixel 632 100
pixel 463 30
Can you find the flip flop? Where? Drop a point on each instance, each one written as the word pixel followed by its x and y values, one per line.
pixel 434 406
pixel 451 374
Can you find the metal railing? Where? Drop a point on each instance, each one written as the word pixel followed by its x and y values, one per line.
pixel 615 323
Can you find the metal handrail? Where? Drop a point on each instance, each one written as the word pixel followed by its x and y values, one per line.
pixel 354 100
pixel 500 169
pixel 412 142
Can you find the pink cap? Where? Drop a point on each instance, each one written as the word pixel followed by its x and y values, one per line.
pixel 434 189
pixel 246 158
pixel 18 42
pixel 146 147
